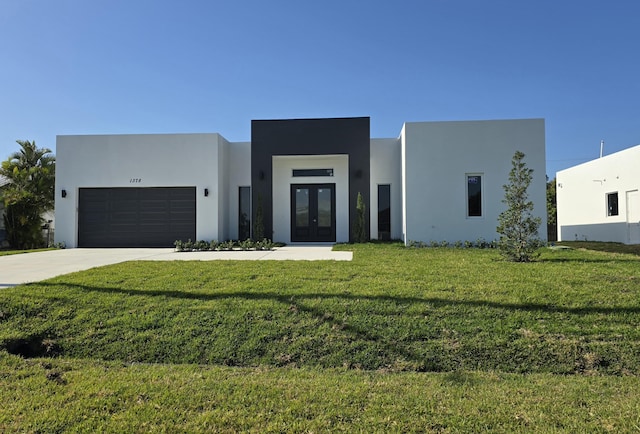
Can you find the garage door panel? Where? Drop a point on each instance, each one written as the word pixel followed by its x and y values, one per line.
pixel 154 206
pixel 136 217
pixel 155 228
pixel 122 217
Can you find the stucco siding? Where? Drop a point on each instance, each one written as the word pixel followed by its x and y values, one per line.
pixel 582 192
pixel 385 168
pixel 146 160
pixel 239 174
pixel 438 156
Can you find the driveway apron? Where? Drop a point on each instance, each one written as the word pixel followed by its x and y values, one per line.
pixel 33 267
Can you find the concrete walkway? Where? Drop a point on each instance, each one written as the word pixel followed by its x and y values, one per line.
pixel 36 266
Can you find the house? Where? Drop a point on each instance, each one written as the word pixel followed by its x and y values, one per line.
pixel 599 200
pixel 436 181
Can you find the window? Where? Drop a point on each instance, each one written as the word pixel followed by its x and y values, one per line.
pixel 384 212
pixel 612 204
pixel 474 195
pixel 244 213
pixel 312 172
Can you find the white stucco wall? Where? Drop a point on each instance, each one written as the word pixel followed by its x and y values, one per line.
pixel 385 168
pixel 582 198
pixel 223 189
pixel 239 174
pixel 157 160
pixel 282 179
pixel 437 156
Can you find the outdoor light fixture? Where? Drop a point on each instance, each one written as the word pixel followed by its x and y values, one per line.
pixel 64 193
pixel 261 175
pixel 206 192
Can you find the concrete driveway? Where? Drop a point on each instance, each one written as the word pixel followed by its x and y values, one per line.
pixel 36 266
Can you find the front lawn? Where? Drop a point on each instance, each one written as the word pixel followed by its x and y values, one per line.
pixel 18 252
pixel 416 335
pixel 602 246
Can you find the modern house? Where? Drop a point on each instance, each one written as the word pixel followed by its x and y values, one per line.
pixel 600 200
pixel 437 181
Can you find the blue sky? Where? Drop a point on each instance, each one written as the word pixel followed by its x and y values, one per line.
pixel 154 66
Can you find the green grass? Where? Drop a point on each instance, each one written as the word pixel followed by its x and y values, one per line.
pixel 89 396
pixel 18 252
pixel 397 340
pixel 633 249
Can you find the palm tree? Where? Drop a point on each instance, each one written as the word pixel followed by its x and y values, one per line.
pixel 28 194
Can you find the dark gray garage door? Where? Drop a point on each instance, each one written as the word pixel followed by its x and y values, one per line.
pixel 136 217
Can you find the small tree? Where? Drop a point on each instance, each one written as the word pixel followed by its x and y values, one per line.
pixel 360 225
pixel 517 227
pixel 258 226
pixel 28 194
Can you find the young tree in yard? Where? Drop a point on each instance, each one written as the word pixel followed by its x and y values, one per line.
pixel 517 227
pixel 360 225
pixel 28 195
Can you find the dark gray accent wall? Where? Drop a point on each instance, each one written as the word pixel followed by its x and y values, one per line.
pixel 331 136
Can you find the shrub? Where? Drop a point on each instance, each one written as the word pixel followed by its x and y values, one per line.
pixel 227 245
pixel 201 246
pixel 265 244
pixel 179 245
pixel 188 246
pixel 214 245
pixel 247 244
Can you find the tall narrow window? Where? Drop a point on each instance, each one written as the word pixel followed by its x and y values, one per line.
pixel 474 195
pixel 244 213
pixel 384 212
pixel 612 204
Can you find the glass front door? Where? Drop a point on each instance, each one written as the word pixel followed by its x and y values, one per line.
pixel 313 212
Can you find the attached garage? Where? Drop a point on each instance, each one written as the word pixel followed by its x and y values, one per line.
pixel 136 217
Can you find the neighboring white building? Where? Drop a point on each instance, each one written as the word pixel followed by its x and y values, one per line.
pixel 438 181
pixel 600 200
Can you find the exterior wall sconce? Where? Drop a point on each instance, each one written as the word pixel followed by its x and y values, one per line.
pixel 358 173
pixel 64 193
pixel 206 192
pixel 261 175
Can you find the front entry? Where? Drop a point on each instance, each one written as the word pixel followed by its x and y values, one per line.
pixel 313 212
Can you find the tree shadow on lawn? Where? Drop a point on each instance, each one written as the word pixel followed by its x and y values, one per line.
pixel 290 298
pixel 398 352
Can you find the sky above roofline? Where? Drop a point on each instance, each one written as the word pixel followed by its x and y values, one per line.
pixel 78 67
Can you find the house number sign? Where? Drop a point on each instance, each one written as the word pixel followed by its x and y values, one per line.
pixel 135 180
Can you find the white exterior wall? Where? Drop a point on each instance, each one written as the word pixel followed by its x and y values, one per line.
pixel 223 189
pixel 437 156
pixel 385 168
pixel 282 170
pixel 239 171
pixel 582 198
pixel 157 160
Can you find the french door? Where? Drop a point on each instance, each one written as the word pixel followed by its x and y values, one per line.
pixel 313 212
